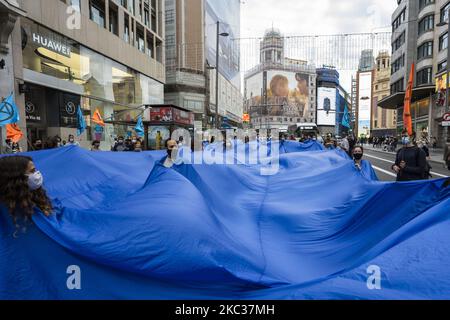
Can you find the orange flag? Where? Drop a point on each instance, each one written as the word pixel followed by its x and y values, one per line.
pixel 13 132
pixel 97 118
pixel 407 119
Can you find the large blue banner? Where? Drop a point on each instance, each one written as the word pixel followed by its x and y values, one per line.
pixel 125 227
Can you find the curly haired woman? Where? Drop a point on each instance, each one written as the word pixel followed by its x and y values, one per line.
pixel 21 188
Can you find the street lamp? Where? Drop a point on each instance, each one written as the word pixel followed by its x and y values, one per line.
pixel 223 34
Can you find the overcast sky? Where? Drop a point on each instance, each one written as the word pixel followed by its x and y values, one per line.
pixel 315 17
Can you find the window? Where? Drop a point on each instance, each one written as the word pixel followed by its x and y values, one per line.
pixel 425 50
pixel 398 64
pixel 126 29
pixel 146 15
pixel 443 41
pixel 153 15
pixel 424 76
pixel 397 86
pixel 426 24
pixel 150 46
pixel 97 12
pixel 399 20
pixel 130 6
pixel 113 19
pixel 170 16
pixel 442 66
pixel 398 42
pixel 75 4
pixel 140 39
pixel 444 12
pixel 424 3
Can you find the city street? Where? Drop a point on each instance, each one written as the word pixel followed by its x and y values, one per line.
pixel 221 150
pixel 382 162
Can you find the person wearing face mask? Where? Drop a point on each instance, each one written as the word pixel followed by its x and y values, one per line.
pixel 71 141
pixel 120 146
pixel 357 154
pixel 410 161
pixel 21 189
pixel 38 145
pixel 172 152
pixel 95 145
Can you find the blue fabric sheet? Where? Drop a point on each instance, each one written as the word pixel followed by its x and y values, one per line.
pixel 138 230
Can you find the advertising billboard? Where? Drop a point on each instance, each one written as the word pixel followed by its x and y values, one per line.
pixel 287 94
pixel 364 103
pixel 228 13
pixel 326 106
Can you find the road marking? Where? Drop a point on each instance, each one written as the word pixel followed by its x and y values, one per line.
pixel 384 171
pixel 392 162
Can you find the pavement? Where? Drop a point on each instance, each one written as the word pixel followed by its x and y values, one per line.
pixel 383 160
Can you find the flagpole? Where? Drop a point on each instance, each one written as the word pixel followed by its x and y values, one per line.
pixel 1 130
pixel 1 140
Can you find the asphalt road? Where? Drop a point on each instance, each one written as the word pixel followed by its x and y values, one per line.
pixel 382 163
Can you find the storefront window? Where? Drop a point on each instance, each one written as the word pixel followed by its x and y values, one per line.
pixel 98 76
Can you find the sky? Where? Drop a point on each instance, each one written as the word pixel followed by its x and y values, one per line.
pixel 316 17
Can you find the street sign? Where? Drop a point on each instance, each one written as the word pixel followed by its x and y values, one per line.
pixel 446 120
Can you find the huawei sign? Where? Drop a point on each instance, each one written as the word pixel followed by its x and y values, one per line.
pixel 446 117
pixel 446 120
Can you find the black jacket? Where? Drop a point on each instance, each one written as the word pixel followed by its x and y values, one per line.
pixel 416 163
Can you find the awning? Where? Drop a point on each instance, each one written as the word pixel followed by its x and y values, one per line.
pixel 13 6
pixel 396 100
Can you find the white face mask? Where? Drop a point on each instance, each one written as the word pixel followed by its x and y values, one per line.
pixel 35 180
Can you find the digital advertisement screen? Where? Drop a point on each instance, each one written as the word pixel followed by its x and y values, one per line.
pixel 326 106
pixel 287 93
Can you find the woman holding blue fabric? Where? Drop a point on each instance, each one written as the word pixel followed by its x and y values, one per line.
pixel 363 165
pixel 21 188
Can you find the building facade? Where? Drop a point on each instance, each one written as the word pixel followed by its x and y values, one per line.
pixel 384 121
pixel 419 38
pixel 332 99
pixel 364 94
pixel 279 91
pixel 191 34
pixel 104 55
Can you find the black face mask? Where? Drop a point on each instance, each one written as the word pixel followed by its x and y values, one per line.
pixel 169 152
pixel 358 156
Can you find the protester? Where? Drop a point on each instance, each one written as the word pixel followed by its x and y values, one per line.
pixel 129 145
pixel 137 146
pixel 344 144
pixel 357 155
pixel 37 145
pixel 8 146
pixel 120 146
pixel 21 188
pixel 16 148
pixel 329 144
pixel 95 145
pixel 410 163
pixel 172 151
pixel 422 144
pixel 447 153
pixel 71 141
pixel 434 142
